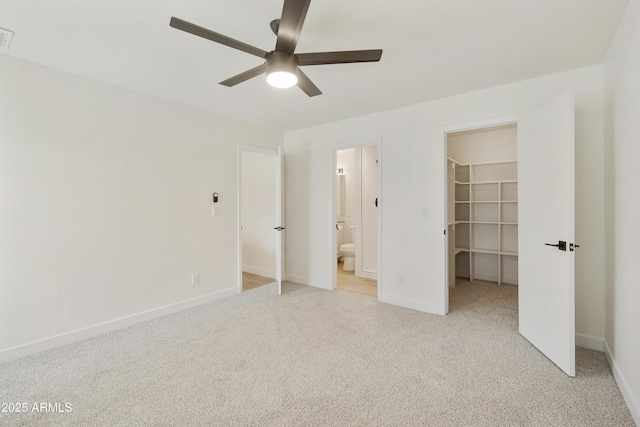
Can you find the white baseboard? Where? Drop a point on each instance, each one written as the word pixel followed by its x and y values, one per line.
pixel 485 277
pixel 629 397
pixel 309 282
pixel 271 274
pixel 412 304
pixel 510 280
pixel 367 274
pixel 49 343
pixel 592 343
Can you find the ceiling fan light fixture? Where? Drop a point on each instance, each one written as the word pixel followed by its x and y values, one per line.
pixel 281 65
pixel 282 79
pixel 282 69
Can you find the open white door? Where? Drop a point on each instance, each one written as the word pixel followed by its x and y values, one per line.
pixel 546 216
pixel 279 219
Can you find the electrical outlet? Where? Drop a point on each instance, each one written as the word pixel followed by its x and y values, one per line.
pixel 400 279
pixel 195 279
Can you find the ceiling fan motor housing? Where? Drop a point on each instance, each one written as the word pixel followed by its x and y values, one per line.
pixel 281 61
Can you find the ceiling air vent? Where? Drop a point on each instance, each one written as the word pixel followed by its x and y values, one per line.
pixel 5 38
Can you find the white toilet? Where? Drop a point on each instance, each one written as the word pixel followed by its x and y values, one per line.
pixel 348 251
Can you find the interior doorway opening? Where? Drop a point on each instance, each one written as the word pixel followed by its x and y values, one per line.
pixel 257 214
pixel 545 223
pixel 482 210
pixel 356 217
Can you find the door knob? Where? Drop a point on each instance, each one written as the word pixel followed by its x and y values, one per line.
pixel 561 245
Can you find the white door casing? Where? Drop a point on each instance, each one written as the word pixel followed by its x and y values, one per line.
pixel 546 215
pixel 279 228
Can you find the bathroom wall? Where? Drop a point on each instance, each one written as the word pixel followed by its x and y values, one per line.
pixel 349 161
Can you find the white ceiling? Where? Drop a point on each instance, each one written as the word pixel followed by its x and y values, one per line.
pixel 432 49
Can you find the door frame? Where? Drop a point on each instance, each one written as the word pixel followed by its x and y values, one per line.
pixel 332 205
pixel 257 150
pixel 446 130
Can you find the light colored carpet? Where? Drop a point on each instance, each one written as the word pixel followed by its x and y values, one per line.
pixel 313 357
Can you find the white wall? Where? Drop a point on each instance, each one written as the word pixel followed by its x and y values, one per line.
pixel 106 203
pixel 493 144
pixel 258 214
pixel 622 68
pixel 412 166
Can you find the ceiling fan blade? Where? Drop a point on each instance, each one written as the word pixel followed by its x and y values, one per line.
pixel 243 77
pixel 344 57
pixel 307 85
pixel 293 14
pixel 216 37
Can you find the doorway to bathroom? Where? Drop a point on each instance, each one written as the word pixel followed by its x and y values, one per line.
pixel 356 218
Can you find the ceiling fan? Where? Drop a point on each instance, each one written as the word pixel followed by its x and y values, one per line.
pixel 281 65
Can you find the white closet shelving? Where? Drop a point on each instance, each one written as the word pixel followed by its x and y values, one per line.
pixel 485 220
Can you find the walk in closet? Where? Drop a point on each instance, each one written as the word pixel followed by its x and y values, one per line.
pixel 482 208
